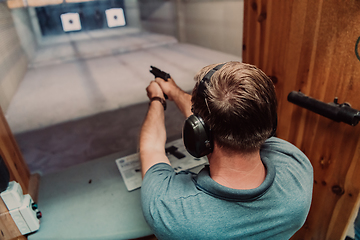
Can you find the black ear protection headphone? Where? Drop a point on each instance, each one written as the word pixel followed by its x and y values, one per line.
pixel 197 135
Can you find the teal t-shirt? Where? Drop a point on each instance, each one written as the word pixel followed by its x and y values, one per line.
pixel 188 206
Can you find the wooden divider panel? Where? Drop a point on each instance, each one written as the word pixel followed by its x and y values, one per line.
pixel 12 156
pixel 313 46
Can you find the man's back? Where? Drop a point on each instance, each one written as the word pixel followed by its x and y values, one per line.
pixel 187 206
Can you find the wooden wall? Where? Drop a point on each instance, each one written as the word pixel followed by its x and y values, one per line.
pixel 12 156
pixel 312 46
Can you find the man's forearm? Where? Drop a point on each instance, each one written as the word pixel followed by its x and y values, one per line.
pixel 153 137
pixel 183 102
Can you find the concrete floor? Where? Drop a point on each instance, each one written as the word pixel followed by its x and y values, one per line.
pixel 84 96
pixel 78 75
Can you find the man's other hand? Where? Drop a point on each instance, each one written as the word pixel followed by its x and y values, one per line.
pixel 169 87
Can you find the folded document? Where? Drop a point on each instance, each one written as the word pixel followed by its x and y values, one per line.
pixel 180 160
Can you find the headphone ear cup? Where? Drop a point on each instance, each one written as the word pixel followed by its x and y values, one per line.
pixel 197 137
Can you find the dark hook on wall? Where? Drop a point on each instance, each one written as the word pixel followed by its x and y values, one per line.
pixel 357 49
pixel 335 111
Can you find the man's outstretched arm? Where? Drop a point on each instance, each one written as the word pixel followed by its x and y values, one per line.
pixel 176 94
pixel 153 132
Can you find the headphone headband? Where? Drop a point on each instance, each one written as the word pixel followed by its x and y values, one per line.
pixel 206 79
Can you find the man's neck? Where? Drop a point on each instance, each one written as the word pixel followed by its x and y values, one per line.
pixel 236 170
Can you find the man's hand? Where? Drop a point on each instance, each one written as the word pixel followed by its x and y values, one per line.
pixel 154 90
pixel 169 87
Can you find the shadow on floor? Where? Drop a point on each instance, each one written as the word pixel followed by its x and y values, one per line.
pixel 54 148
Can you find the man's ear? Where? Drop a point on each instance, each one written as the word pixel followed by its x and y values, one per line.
pixel 216 148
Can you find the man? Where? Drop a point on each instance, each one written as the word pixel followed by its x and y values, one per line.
pixel 255 187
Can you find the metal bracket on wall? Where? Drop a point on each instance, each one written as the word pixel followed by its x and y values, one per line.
pixel 335 111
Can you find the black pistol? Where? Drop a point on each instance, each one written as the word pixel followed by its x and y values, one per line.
pixel 161 74
pixel 158 73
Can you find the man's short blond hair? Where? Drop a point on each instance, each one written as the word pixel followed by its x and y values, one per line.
pixel 240 105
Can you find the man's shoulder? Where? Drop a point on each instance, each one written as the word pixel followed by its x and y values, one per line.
pixel 162 178
pixel 294 174
pixel 276 145
pixel 287 155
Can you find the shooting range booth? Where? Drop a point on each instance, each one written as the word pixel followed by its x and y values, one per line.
pixel 309 49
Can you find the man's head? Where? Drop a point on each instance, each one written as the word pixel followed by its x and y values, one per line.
pixel 240 105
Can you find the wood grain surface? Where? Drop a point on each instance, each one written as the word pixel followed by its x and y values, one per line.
pixel 312 46
pixel 12 156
